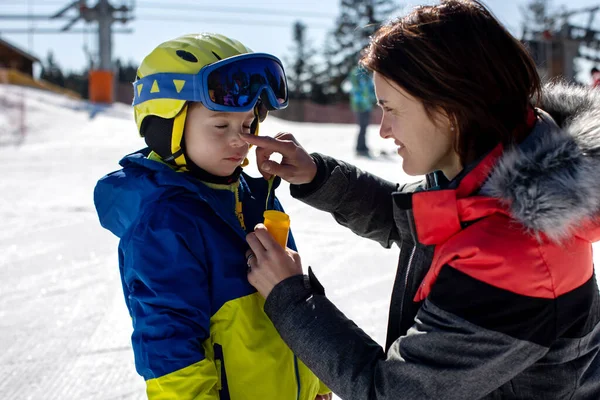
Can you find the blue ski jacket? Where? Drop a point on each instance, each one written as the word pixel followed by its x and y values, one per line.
pixel 199 329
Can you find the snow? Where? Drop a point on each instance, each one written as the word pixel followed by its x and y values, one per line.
pixel 64 328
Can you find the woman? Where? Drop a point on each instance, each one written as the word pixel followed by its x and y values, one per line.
pixel 495 296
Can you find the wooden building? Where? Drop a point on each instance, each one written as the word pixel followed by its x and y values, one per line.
pixel 11 57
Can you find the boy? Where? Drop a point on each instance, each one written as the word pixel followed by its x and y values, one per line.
pixel 182 209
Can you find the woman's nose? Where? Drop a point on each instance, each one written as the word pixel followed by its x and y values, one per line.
pixel 384 129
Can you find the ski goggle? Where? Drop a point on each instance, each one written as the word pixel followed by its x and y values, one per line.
pixel 234 84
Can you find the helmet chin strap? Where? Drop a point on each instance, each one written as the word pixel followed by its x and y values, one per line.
pixel 178 156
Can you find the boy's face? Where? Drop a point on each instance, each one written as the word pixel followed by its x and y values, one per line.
pixel 212 138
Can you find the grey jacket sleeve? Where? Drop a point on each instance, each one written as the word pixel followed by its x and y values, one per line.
pixel 441 357
pixel 357 200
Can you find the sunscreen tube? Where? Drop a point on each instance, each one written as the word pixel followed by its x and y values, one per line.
pixel 278 225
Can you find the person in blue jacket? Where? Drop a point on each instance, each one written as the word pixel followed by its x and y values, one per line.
pixel 362 101
pixel 182 208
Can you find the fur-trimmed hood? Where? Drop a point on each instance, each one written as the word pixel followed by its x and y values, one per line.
pixel 551 183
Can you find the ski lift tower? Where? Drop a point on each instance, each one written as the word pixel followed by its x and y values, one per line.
pixel 105 14
pixel 555 50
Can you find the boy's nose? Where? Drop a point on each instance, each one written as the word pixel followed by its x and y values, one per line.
pixel 237 141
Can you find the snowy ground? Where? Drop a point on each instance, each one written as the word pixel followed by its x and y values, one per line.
pixel 64 328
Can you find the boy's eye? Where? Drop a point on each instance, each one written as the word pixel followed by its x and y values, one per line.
pixel 220 126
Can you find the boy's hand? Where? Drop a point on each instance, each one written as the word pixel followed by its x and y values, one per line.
pixel 296 167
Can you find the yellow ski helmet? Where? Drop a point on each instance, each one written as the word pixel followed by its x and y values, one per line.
pixel 185 55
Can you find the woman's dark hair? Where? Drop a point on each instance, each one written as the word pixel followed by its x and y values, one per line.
pixel 457 57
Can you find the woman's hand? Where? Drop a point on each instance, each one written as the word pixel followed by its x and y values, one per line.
pixel 268 262
pixel 296 167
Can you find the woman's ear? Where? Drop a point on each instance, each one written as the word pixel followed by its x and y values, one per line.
pixel 448 121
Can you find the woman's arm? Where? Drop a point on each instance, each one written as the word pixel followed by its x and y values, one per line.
pixel 357 199
pixel 443 356
pixel 465 342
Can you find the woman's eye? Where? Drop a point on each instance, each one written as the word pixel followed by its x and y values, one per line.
pixel 220 126
pixel 246 127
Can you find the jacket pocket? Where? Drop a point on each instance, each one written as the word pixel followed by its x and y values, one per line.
pixel 220 363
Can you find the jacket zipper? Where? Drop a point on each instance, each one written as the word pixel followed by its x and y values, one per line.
pixel 410 260
pixel 224 390
pixel 297 371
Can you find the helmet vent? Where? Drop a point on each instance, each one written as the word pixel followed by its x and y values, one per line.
pixel 187 56
pixel 216 55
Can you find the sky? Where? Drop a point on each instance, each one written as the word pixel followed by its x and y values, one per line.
pixel 263 25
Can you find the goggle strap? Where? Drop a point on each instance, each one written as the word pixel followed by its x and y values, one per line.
pixel 165 86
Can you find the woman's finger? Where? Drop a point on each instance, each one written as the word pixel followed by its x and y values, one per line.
pixel 295 256
pixel 255 245
pixel 262 157
pixel 265 238
pixel 283 147
pixel 285 172
pixel 263 154
pixel 286 136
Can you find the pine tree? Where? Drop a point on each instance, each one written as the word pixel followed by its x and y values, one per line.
pixel 51 72
pixel 358 20
pixel 539 15
pixel 126 73
pixel 78 82
pixel 301 72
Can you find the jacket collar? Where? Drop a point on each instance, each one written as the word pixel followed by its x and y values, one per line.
pixel 439 214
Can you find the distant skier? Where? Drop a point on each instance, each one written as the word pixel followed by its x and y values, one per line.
pixel 362 101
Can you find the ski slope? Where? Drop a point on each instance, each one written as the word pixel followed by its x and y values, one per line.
pixel 64 329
